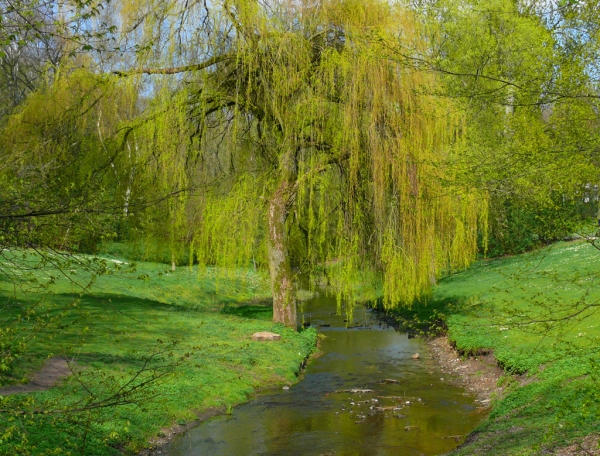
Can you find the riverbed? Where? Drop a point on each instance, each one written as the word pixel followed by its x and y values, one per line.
pixel 366 394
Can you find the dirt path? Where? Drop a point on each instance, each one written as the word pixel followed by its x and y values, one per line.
pixel 54 370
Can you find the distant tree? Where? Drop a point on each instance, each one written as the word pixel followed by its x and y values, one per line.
pixel 525 74
pixel 35 38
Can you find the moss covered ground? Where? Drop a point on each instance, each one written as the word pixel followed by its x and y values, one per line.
pixel 154 346
pixel 538 313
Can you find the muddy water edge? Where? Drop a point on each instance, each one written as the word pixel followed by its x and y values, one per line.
pixel 365 395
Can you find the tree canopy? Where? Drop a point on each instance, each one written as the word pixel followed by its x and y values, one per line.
pixel 524 73
pixel 335 158
pixel 350 141
pixel 366 141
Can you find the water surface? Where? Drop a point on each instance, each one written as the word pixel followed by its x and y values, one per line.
pixel 410 410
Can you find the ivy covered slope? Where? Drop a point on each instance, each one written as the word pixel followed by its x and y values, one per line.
pixel 538 313
pixel 150 348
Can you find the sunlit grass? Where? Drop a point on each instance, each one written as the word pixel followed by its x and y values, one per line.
pixel 538 313
pixel 193 321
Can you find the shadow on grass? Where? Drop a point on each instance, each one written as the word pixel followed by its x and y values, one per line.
pixel 260 311
pixel 424 315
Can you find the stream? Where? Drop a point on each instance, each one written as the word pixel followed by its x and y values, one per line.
pixel 364 395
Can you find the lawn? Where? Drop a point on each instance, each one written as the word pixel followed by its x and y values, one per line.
pixel 173 344
pixel 538 313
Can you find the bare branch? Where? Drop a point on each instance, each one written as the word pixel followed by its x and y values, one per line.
pixel 176 70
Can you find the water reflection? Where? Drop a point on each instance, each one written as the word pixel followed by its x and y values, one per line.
pixel 408 409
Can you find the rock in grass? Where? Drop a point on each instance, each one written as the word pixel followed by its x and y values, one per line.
pixel 415 356
pixel 265 335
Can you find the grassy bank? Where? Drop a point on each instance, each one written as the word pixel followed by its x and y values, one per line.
pixel 538 313
pixel 155 347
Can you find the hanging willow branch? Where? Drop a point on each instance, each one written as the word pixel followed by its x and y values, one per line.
pixel 335 160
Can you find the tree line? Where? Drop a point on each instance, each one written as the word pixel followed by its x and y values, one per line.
pixel 349 140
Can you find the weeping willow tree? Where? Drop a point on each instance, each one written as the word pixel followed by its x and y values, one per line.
pixel 316 148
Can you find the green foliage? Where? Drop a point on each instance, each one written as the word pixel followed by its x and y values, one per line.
pixel 517 225
pixel 367 145
pixel 531 110
pixel 324 117
pixel 62 179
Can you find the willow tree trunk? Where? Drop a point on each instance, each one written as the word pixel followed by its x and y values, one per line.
pixel 282 280
pixel 598 215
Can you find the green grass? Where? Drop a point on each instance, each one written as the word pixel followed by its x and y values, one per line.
pixel 538 312
pixel 196 327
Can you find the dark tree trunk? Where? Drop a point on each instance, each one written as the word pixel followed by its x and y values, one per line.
pixel 282 280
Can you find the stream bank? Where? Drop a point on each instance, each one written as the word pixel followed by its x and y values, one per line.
pixel 478 374
pixel 523 310
pixel 367 394
pixel 160 443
